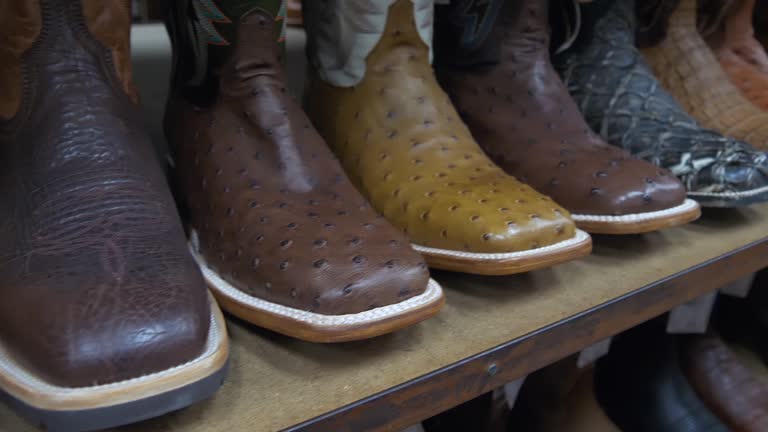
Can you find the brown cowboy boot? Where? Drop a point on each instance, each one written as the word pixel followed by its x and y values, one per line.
pixel 378 104
pixel 104 317
pixel 726 384
pixel 501 79
pixel 283 238
pixel 687 68
pixel 727 27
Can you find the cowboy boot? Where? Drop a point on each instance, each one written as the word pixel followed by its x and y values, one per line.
pixel 104 318
pixel 622 100
pixel 737 395
pixel 642 388
pixel 373 96
pixel 687 69
pixel 520 112
pixel 561 397
pixel 727 27
pixel 283 238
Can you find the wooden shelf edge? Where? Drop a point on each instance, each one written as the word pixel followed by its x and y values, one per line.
pixel 430 394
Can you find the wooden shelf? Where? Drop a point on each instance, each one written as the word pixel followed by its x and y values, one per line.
pixel 492 330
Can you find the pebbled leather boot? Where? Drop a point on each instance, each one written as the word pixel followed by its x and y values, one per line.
pixel 726 384
pixel 521 114
pixel 104 316
pixel 727 28
pixel 374 97
pixel 283 238
pixel 623 101
pixel 688 70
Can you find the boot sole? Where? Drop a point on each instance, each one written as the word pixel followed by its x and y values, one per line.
pixel 497 264
pixel 61 409
pixel 731 199
pixel 639 223
pixel 314 327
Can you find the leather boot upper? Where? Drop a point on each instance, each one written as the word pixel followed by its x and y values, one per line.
pixel 726 384
pixel 728 30
pixel 690 72
pixel 522 115
pixel 274 213
pixel 405 147
pixel 623 101
pixel 96 283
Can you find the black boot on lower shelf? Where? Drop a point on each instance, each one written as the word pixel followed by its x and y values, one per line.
pixel 642 388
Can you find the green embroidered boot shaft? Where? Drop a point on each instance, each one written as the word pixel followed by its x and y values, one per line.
pixel 216 22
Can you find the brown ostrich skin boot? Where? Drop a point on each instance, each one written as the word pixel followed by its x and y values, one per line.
pixel 379 106
pixel 689 70
pixel 516 106
pixel 283 238
pixel 727 27
pixel 104 316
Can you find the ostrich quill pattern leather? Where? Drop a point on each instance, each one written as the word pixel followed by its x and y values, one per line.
pixel 522 115
pixel 406 148
pixel 622 101
pixel 96 282
pixel 728 387
pixel 688 69
pixel 275 215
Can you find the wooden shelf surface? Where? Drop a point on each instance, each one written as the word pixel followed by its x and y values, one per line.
pixel 492 330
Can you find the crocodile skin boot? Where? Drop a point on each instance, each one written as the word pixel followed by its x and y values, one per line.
pixel 283 238
pixel 642 387
pixel 727 27
pixel 688 69
pixel 727 385
pixel 104 316
pixel 622 101
pixel 373 95
pixel 520 112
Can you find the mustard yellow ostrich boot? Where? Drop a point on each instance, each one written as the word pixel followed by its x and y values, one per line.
pixel 689 70
pixel 373 96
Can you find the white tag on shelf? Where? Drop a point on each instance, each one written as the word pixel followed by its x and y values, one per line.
pixel 739 288
pixel 591 354
pixel 692 317
pixel 511 390
pixel 415 428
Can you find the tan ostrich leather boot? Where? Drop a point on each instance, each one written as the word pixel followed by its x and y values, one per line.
pixel 378 105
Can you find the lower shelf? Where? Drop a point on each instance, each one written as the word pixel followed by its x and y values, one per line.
pixel 492 330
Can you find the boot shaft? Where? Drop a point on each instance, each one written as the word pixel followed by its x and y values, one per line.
pixel 53 33
pixel 473 32
pixel 343 33
pixel 208 43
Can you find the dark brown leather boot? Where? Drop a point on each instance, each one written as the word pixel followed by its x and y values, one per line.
pixel 283 238
pixel 104 318
pixel 726 384
pixel 493 60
